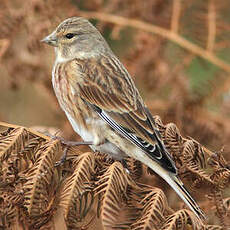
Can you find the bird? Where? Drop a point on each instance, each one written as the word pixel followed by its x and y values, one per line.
pixel 103 105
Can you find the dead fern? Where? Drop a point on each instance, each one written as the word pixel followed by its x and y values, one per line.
pixel 182 219
pixel 174 139
pixel 213 227
pixel 111 187
pixel 76 188
pixel 39 195
pixel 38 179
pixel 193 162
pixel 12 141
pixel 153 205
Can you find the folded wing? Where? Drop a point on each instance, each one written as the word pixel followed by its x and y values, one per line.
pixel 109 90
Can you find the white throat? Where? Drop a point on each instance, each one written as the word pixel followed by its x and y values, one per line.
pixel 80 55
pixel 59 57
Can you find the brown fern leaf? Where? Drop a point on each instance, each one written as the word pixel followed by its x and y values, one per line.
pixel 217 161
pixel 39 177
pixel 153 205
pixel 10 173
pixel 221 209
pixel 190 157
pixel 75 190
pixel 102 161
pixel 173 140
pixel 12 142
pixel 135 168
pixel 8 211
pixel 213 227
pixel 111 188
pixel 221 178
pixel 18 162
pixel 182 219
pixel 198 182
pixel 31 146
pixel 221 174
pixel 199 154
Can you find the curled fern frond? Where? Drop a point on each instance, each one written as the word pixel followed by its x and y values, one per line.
pixel 190 153
pixel 192 163
pixel 111 188
pixel 153 206
pixel 217 161
pixel 39 178
pixel 221 178
pixel 199 155
pixel 213 227
pixel 221 209
pixel 135 168
pixel 8 211
pixel 13 142
pixel 174 139
pixel 182 219
pixel 75 198
pixel 31 146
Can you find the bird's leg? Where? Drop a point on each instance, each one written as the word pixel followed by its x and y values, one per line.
pixel 63 158
pixel 67 145
pixel 76 143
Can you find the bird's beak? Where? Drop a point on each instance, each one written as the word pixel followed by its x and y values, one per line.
pixel 51 39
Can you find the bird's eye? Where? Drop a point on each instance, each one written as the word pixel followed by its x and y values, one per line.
pixel 69 35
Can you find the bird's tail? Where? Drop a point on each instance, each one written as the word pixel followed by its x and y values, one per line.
pixel 179 188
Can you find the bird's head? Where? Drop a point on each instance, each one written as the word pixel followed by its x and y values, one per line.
pixel 76 37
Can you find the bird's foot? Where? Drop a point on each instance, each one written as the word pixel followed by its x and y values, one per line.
pixel 63 158
pixel 67 145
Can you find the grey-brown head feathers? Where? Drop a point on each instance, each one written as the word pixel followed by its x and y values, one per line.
pixel 76 37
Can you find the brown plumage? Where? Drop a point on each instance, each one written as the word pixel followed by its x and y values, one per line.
pixel 102 103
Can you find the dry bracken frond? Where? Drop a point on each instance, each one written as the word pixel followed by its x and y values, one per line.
pixel 39 177
pixel 111 187
pixel 31 146
pixel 12 141
pixel 182 219
pixel 213 227
pixel 75 188
pixel 8 212
pixel 153 206
pixel 221 178
pixel 35 193
pixel 221 210
pixel 193 162
pixel 174 139
pixel 135 168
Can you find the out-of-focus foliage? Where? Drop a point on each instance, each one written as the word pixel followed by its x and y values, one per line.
pixel 177 52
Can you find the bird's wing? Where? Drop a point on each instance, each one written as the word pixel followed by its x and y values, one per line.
pixel 106 87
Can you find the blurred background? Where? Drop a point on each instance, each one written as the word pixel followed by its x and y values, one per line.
pixel 180 61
